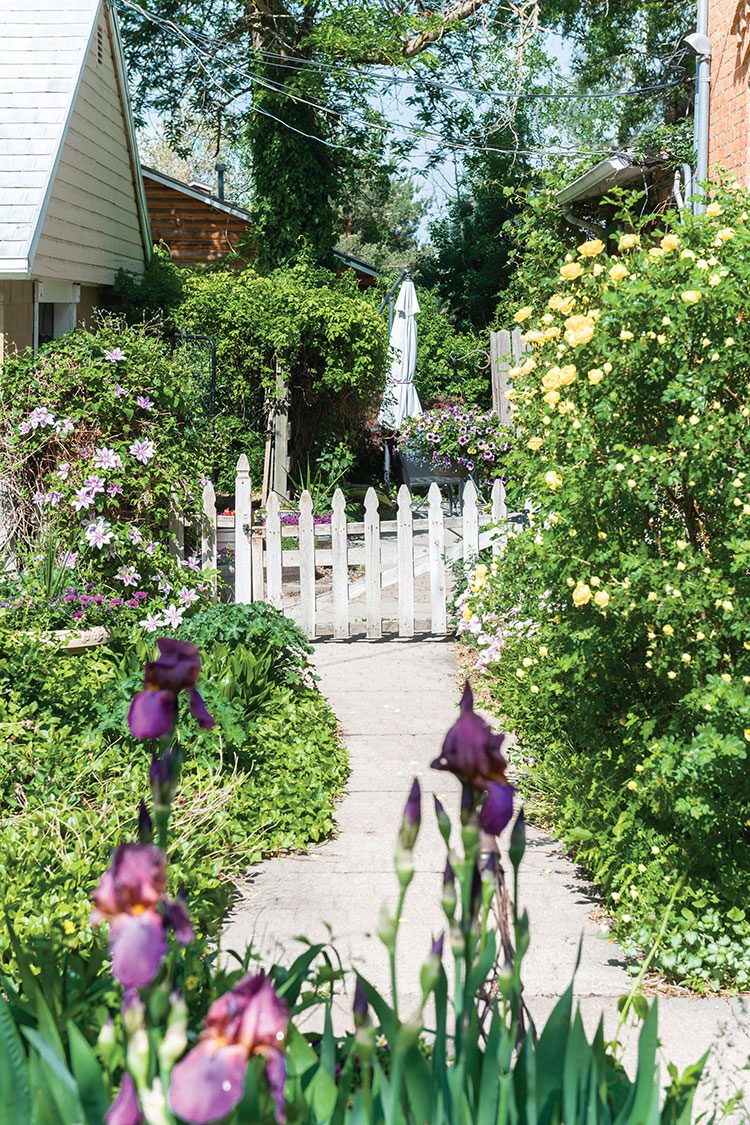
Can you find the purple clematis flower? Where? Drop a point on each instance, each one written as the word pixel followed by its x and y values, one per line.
pixel 153 711
pixel 125 1109
pixel 130 896
pixel 248 1021
pixel 472 753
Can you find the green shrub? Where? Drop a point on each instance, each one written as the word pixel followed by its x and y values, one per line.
pixel 614 629
pixel 71 777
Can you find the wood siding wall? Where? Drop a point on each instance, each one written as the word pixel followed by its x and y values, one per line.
pixel 16 317
pixel 92 226
pixel 194 231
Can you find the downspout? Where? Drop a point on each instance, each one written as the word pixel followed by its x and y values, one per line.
pixel 701 44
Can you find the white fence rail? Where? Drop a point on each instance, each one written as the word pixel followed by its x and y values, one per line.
pixel 331 578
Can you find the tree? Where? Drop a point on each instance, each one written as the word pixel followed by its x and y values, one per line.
pixel 294 79
pixel 379 217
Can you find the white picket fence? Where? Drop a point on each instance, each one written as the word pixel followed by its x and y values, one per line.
pixel 316 572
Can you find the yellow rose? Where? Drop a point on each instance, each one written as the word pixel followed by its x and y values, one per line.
pixel 626 334
pixel 552 397
pixel 667 630
pixel 533 336
pixel 468 613
pixel 595 376
pixel 551 333
pixel 598 269
pixel 567 374
pixel 564 305
pixel 548 318
pixel 581 594
pixel 571 270
pixel 601 597
pixel 591 247
pixel 687 253
pixel 551 379
pixel 553 480
pixel 629 242
pixel 523 314
pixel 535 443
pixel 691 296
pixel 669 242
pixel 618 272
pixel 578 330
pixel 725 234
pixel 656 252
pixel 713 210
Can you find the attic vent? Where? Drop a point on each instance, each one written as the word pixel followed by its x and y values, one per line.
pixel 99 46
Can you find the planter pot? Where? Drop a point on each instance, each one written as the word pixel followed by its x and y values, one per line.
pixel 72 640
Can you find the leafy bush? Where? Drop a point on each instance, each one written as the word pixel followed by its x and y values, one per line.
pixel 614 628
pixel 307 327
pixel 97 447
pixel 263 780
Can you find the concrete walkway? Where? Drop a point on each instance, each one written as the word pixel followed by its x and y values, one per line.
pixel 395 700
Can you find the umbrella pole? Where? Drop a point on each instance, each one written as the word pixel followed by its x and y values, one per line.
pixel 386 463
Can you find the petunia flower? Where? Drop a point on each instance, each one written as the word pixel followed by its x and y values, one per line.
pixel 153 711
pixel 131 898
pixel 248 1021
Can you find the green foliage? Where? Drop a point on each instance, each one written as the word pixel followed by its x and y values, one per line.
pixel 307 327
pixel 379 217
pixel 88 441
pixel 614 627
pixel 263 780
pixel 153 294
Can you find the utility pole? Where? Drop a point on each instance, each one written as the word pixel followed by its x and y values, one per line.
pixel 701 44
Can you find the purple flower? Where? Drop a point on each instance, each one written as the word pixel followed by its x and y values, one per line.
pixel 54 498
pixel 114 489
pixel 130 897
pixel 150 548
pixel 40 417
pixel 120 391
pixel 134 535
pixel 107 459
pixel 144 402
pixel 94 484
pixel 248 1021
pixel 71 559
pixel 64 427
pixel 192 562
pixel 153 711
pixel 82 499
pixel 99 533
pixel 78 614
pixel 24 427
pixel 125 1109
pixel 187 597
pixel 497 808
pixel 128 575
pixel 143 451
pixel 115 355
pixel 39 499
pixel 412 817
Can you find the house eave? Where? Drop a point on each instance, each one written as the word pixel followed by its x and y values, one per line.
pixel 193 193
pixel 618 170
pixel 15 269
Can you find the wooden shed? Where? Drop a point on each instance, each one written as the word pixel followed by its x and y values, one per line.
pixel 72 206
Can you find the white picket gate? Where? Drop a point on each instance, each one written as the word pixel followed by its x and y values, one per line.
pixel 333 578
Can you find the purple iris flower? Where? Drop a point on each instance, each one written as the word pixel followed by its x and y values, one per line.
pixel 130 897
pixel 153 711
pixel 412 817
pixel 125 1109
pixel 472 753
pixel 248 1021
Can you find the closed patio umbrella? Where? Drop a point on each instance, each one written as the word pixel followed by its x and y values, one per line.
pixel 400 400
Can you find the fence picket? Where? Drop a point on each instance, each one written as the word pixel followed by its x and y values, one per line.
pixel 471 522
pixel 208 533
pixel 243 515
pixel 499 515
pixel 274 593
pixel 372 564
pixel 405 545
pixel 437 562
pixel 340 574
pixel 306 565
pixel 256 562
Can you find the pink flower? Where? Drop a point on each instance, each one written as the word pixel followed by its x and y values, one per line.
pixel 125 1109
pixel 64 470
pixel 39 499
pixel 71 559
pixel 143 451
pixel 248 1021
pixel 151 623
pixel 64 427
pixel 144 402
pixel 41 417
pixel 114 489
pixel 94 484
pixel 82 499
pixel 187 597
pixel 107 459
pixel 128 575
pixel 120 391
pixel 99 533
pixel 115 355
pixel 173 616
pixel 130 896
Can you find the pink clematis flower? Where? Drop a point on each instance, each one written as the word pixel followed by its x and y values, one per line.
pixel 248 1021
pixel 144 402
pixel 107 459
pixel 115 355
pixel 130 897
pixel 143 451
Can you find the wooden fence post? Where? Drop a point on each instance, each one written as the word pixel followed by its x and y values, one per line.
pixel 499 515
pixel 340 573
pixel 306 545
pixel 500 346
pixel 471 522
pixel 372 564
pixel 437 561
pixel 243 514
pixel 209 559
pixel 273 553
pixel 256 557
pixel 405 547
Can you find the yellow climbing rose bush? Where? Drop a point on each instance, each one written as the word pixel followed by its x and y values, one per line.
pixel 614 628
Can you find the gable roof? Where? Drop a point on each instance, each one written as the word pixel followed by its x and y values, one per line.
pixel 43 52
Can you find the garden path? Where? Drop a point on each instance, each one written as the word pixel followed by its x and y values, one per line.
pixel 394 700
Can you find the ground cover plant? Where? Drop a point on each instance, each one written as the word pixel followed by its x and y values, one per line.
pixel 97 448
pixel 613 630
pixel 240 1056
pixel 262 780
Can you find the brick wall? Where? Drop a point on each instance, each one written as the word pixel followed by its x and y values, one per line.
pixel 729 122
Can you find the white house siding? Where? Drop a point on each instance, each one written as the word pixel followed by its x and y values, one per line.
pixel 16 317
pixel 92 227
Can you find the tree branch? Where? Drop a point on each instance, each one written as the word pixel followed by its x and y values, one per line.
pixel 453 14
